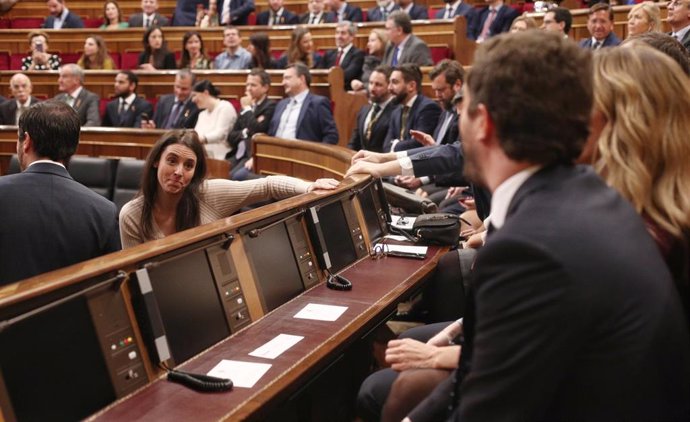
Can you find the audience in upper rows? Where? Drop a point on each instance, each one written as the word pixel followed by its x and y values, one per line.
pixel 600 26
pixel 149 16
pixel 112 16
pixel 276 15
pixel 60 16
pixel 234 56
pixel 127 109
pixel 156 55
pixel 73 93
pixel 193 52
pixel 40 58
pixel 679 20
pixel 317 14
pixel 215 120
pixel 95 55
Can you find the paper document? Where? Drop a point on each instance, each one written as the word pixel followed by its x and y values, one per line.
pixel 396 237
pixel 405 251
pixel 401 222
pixel 242 374
pixel 276 347
pixel 321 312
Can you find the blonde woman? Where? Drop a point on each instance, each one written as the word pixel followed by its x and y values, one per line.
pixel 644 17
pixel 523 23
pixel 639 145
pixel 376 46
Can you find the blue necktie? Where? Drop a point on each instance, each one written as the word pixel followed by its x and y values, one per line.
pixel 394 62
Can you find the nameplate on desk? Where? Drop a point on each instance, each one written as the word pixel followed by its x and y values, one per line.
pixel 321 312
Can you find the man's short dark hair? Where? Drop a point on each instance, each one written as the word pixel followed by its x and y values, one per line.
pixel 131 77
pixel 262 74
pixel 228 27
pixel 666 44
pixel 53 127
pixel 302 70
pixel 186 73
pixel 601 6
pixel 537 120
pixel 411 73
pixel 401 20
pixel 451 69
pixel 561 14
pixel 385 70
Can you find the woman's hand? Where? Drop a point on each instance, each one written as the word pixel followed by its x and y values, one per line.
pixel 323 184
pixel 146 66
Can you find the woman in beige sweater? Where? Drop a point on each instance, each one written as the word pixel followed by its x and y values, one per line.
pixel 175 196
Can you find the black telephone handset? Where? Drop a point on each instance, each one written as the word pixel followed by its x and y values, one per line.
pixel 199 382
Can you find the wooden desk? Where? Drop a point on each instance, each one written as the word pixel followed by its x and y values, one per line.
pixel 377 286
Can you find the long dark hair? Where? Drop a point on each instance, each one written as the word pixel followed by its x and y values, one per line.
pixel 294 52
pixel 99 60
pixel 187 215
pixel 119 12
pixel 185 61
pixel 262 45
pixel 158 55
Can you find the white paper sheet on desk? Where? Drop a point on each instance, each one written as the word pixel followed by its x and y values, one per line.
pixel 321 312
pixel 396 237
pixel 406 224
pixel 276 347
pixel 242 374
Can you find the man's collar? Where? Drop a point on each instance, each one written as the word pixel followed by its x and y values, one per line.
pixel 76 92
pixel 301 96
pixel 412 100
pixel 45 162
pixel 504 193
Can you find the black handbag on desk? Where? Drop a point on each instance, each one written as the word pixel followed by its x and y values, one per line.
pixel 437 229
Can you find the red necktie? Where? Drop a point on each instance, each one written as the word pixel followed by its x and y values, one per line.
pixel 338 57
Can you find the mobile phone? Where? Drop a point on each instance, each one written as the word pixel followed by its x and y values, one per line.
pixel 145 116
pixel 39 47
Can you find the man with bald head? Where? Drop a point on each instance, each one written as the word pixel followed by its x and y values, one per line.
pixel 10 110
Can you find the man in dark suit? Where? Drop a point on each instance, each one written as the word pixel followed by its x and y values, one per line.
pixel 12 109
pixel 48 220
pixel 600 26
pixel 149 16
pixel 414 11
pixel 558 19
pixel 553 330
pixel 493 19
pixel 73 93
pixel 317 14
pixel 374 118
pixel 126 109
pixel 255 117
pixel 176 111
pixel 302 115
pixel 235 12
pixel 381 11
pixel 403 45
pixel 345 11
pixel 414 111
pixel 455 8
pixel 679 20
pixel 346 55
pixel 60 17
pixel 276 15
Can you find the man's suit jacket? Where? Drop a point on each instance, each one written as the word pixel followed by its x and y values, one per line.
pixel 71 21
pixel 137 20
pixel 572 318
pixel 239 11
pixel 8 111
pixel 686 41
pixel 287 18
pixel 326 17
pixel 423 116
pixel 86 106
pixel 130 117
pixel 611 40
pixel 315 122
pixel 463 9
pixel 49 221
pixel 452 134
pixel 415 51
pixel 351 63
pixel 418 12
pixel 378 131
pixel 255 121
pixel 376 15
pixel 351 13
pixel 186 118
pixel 504 18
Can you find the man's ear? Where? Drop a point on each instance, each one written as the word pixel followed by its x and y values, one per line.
pixel 485 124
pixel 27 143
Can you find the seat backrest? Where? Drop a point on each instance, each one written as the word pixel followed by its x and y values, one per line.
pixel 127 181
pixel 94 173
pixel 14 165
